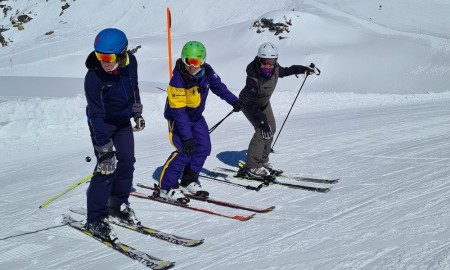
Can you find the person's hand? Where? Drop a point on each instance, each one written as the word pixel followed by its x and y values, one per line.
pixel 189 147
pixel 136 113
pixel 312 69
pixel 237 107
pixel 140 123
pixel 106 159
pixel 266 129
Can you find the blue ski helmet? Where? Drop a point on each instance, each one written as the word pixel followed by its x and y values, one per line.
pixel 111 40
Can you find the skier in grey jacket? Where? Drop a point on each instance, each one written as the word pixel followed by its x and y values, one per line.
pixel 262 77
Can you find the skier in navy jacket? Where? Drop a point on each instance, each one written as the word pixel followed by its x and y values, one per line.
pixel 112 94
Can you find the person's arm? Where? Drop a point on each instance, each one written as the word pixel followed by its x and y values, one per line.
pixel 96 110
pixel 137 107
pixel 293 70
pixel 248 96
pixel 298 69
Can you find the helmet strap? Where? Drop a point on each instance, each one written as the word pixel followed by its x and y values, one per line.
pixel 115 67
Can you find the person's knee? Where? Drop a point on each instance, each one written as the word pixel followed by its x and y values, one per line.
pixel 126 161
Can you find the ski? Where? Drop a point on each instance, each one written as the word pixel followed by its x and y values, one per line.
pixel 311 179
pixel 221 203
pixel 171 238
pixel 137 255
pixel 272 180
pixel 297 178
pixel 187 206
pixel 214 176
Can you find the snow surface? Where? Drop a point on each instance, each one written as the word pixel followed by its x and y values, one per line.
pixel 377 117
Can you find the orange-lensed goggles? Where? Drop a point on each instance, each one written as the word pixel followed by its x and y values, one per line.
pixel 193 62
pixel 107 57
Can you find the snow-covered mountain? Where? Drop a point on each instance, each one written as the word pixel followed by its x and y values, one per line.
pixel 377 117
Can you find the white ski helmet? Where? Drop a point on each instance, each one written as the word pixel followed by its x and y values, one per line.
pixel 268 50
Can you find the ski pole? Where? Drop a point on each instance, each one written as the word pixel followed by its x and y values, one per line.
pixel 220 122
pixel 307 74
pixel 67 190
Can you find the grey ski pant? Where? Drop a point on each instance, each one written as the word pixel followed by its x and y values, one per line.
pixel 259 149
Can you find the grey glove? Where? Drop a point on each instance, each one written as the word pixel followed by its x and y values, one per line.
pixel 140 123
pixel 136 113
pixel 106 158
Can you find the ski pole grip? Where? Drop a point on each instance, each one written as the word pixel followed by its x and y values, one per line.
pixel 314 66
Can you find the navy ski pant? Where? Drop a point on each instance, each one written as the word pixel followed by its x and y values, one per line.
pixel 114 189
pixel 178 162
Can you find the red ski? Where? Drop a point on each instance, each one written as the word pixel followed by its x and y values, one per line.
pixel 218 202
pixel 158 199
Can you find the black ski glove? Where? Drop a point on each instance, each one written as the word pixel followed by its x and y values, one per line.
pixel 312 70
pixel 266 130
pixel 189 147
pixel 237 107
pixel 106 159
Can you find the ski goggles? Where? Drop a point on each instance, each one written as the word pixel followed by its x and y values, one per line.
pixel 107 57
pixel 268 62
pixel 193 62
pixel 110 57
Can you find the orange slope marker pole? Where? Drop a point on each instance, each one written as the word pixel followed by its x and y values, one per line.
pixel 169 41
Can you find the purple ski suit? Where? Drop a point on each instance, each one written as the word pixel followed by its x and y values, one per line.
pixel 186 98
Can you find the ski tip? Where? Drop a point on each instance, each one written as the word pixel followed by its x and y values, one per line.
pixel 194 243
pixel 164 265
pixel 243 218
pixel 269 209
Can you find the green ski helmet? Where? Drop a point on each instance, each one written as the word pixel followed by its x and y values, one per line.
pixel 192 51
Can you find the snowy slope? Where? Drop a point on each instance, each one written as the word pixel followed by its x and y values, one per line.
pixel 377 117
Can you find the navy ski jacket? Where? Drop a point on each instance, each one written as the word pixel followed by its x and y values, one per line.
pixel 110 96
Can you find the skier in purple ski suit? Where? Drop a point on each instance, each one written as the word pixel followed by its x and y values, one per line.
pixel 188 132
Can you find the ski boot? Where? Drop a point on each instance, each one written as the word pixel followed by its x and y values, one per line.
pixel 175 195
pixel 272 170
pixel 195 189
pixel 102 229
pixel 123 214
